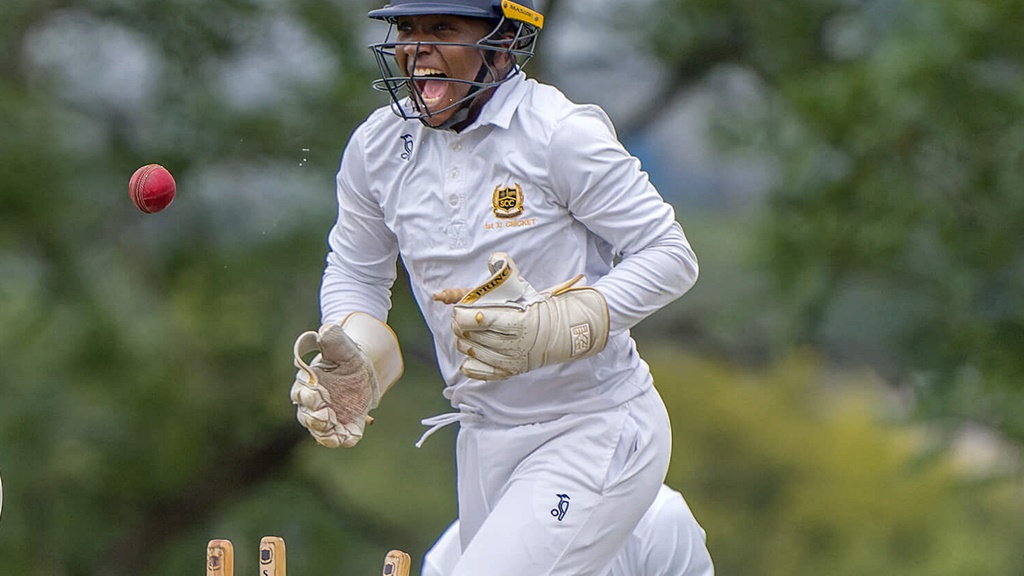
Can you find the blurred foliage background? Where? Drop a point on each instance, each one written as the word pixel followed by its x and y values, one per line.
pixel 845 380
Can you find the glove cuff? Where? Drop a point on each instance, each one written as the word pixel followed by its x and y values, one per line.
pixel 380 345
pixel 586 321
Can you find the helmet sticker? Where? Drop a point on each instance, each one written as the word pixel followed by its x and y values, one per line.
pixel 514 11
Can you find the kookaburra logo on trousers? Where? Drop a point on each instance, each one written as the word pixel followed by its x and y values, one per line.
pixel 563 507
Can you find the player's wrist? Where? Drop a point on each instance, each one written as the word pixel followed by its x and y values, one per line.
pixel 379 344
pixel 578 326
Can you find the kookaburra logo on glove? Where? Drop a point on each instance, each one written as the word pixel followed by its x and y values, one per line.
pixel 506 327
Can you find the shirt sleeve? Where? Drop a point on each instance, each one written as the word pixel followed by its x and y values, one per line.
pixel 361 261
pixel 606 190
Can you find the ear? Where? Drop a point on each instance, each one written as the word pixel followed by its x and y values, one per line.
pixel 505 60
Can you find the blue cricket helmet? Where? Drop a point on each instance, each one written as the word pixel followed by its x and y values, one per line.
pixel 490 9
pixel 516 27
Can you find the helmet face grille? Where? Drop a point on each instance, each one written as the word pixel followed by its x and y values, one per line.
pixel 517 39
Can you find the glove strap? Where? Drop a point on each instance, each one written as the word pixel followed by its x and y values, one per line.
pixel 306 343
pixel 504 286
pixel 564 286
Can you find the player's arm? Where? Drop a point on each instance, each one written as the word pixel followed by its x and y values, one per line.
pixel 360 267
pixel 357 356
pixel 605 189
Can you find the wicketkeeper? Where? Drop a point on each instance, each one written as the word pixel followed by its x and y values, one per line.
pixel 523 208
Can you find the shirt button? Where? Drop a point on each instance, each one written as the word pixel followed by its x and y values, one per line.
pixel 453 199
pixel 457 147
pixel 455 173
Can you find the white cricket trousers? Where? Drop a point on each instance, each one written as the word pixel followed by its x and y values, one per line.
pixel 559 497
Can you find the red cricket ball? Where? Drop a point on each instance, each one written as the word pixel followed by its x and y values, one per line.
pixel 151 188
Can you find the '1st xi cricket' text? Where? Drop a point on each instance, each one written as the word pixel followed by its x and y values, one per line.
pixel 497 224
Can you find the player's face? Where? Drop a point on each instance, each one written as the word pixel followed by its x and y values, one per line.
pixel 433 65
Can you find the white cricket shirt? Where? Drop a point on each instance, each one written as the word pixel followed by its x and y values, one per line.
pixel 537 176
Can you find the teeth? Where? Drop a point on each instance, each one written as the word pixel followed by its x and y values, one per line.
pixel 427 72
pixel 424 74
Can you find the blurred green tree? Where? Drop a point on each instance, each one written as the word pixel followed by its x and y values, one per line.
pixel 894 226
pixel 791 477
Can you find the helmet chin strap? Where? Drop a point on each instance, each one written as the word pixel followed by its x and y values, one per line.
pixel 462 112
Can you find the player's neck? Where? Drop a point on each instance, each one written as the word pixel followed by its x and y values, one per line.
pixel 476 106
pixel 473 110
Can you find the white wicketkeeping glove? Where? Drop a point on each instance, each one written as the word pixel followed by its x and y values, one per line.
pixel 505 327
pixel 358 361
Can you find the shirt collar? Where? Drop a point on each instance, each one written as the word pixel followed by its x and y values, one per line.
pixel 503 103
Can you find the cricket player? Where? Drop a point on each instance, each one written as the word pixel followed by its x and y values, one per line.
pixel 533 242
pixel 668 541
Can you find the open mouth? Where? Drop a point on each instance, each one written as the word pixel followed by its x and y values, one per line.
pixel 431 84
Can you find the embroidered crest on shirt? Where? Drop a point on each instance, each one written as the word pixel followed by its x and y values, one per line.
pixel 508 201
